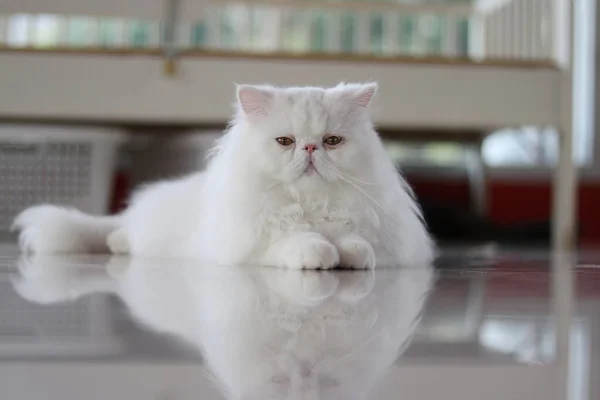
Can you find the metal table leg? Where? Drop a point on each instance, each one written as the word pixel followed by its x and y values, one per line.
pixel 477 175
pixel 564 196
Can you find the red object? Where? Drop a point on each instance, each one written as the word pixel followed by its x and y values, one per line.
pixel 511 202
pixel 121 191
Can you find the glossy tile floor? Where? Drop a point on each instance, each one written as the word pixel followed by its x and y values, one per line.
pixel 515 326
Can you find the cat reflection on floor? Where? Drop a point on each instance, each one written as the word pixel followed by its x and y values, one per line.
pixel 264 333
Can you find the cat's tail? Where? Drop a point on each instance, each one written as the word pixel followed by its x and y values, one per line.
pixel 50 230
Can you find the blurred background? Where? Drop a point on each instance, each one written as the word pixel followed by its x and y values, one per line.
pixel 98 97
pixel 487 106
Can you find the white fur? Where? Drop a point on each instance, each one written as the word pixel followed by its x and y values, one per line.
pixel 117 242
pixel 50 229
pixel 256 203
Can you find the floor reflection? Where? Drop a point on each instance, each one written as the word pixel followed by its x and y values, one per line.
pixel 264 333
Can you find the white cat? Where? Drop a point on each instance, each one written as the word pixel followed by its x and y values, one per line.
pixel 300 180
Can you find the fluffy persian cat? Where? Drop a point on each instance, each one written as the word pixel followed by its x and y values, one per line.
pixel 299 180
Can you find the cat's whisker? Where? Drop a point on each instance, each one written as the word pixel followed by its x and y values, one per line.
pixel 356 186
pixel 387 214
pixel 335 168
pixel 349 177
pixel 353 178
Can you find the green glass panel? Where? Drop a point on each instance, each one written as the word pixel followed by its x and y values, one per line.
pixel 376 32
pixel 434 40
pixel 318 31
pixel 78 28
pixel 227 29
pixel 348 32
pixel 297 35
pixel 407 28
pixel 108 31
pixel 139 33
pixel 463 36
pixel 199 34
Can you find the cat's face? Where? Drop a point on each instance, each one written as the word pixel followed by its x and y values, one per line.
pixel 309 134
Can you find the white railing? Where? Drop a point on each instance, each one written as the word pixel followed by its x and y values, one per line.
pixel 500 29
pixel 518 29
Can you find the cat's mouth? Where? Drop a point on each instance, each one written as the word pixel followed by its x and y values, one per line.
pixel 310 168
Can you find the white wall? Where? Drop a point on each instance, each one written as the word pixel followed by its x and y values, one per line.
pixel 119 88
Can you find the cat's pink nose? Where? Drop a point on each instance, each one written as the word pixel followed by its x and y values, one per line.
pixel 310 148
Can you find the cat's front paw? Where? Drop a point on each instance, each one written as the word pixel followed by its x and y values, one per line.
pixel 308 251
pixel 117 242
pixel 355 252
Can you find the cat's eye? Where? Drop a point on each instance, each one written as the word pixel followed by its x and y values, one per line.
pixel 332 140
pixel 285 141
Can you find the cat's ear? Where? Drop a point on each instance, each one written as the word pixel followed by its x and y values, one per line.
pixel 360 95
pixel 254 100
pixel 365 94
